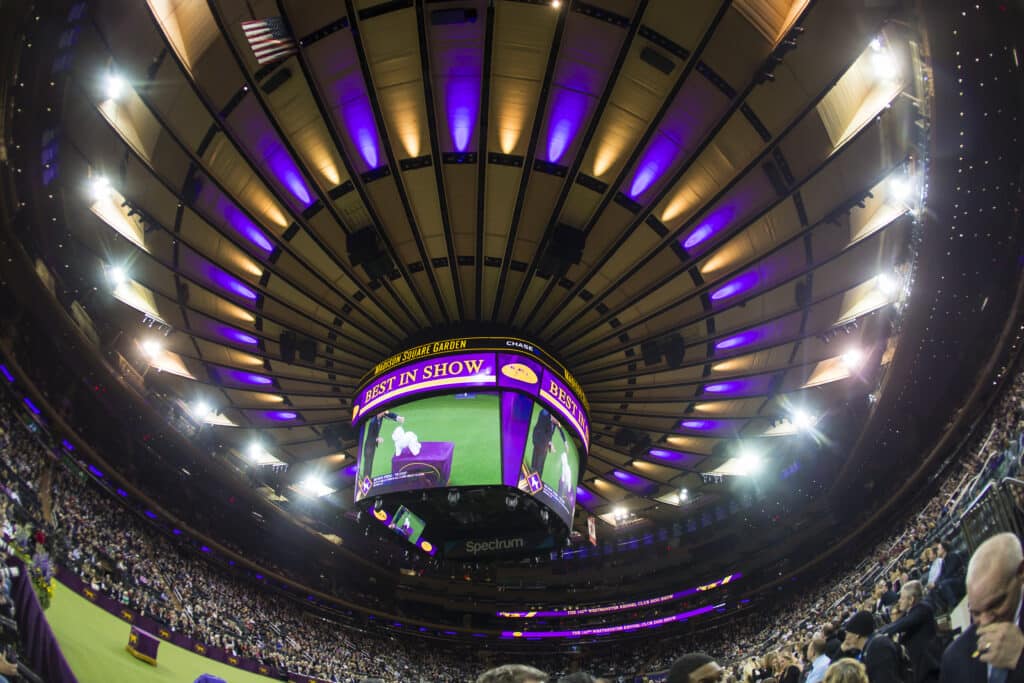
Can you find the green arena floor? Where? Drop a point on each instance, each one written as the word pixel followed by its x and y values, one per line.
pixel 93 643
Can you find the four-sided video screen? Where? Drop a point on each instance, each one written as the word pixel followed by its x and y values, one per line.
pixel 487 419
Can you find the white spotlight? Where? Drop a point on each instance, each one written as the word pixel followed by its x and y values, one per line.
pixel 99 187
pixel 117 275
pixel 201 410
pixel 853 359
pixel 255 450
pixel 885 65
pixel 684 495
pixel 803 420
pixel 152 348
pixel 619 513
pixel 113 86
pixel 311 484
pixel 556 3
pixel 748 463
pixel 887 284
pixel 900 188
pixel 876 45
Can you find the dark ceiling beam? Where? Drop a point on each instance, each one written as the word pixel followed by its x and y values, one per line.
pixel 428 265
pixel 481 177
pixel 442 198
pixel 524 180
pixel 638 149
pixel 268 182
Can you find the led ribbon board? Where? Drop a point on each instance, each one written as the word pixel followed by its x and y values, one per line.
pixel 474 363
pixel 621 606
pixel 611 630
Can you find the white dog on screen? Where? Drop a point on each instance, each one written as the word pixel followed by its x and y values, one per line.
pixel 565 483
pixel 404 440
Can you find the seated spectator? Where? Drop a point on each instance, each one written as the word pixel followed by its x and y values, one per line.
pixel 819 661
pixel 696 667
pixel 917 632
pixel 846 670
pixel 881 657
pixel 513 673
pixel 990 650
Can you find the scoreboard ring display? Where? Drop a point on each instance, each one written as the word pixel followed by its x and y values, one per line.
pixel 472 411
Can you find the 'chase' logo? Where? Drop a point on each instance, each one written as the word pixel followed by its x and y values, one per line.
pixel 520 373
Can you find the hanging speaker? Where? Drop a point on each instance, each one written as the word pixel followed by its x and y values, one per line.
pixel 288 343
pixel 674 349
pixel 651 352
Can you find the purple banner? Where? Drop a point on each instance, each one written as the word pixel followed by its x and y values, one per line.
pixel 465 370
pixel 621 606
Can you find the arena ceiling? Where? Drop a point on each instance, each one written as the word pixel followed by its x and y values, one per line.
pixel 705 208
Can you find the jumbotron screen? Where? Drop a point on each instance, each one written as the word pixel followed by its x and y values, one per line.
pixel 504 419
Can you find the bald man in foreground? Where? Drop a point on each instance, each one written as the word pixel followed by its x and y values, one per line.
pixel 990 650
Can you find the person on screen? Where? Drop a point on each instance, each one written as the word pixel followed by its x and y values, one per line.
pixel 543 432
pixel 374 439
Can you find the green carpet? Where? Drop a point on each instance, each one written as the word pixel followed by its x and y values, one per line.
pixel 93 643
pixel 472 424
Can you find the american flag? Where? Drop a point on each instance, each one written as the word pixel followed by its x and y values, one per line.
pixel 269 39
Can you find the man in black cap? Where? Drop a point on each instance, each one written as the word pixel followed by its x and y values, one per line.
pixel 696 667
pixel 878 653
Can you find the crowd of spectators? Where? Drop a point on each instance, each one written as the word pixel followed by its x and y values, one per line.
pixel 123 556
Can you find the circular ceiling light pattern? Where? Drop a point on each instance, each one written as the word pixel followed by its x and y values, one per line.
pixel 471 231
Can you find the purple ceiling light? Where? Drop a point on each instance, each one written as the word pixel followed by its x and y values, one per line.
pixel 236 336
pixel 702 425
pixel 280 415
pixel 568 110
pixel 237 219
pixel 284 168
pixel 731 387
pixel 738 285
pixel 657 158
pixel 242 377
pixel 362 129
pixel 633 482
pixel 463 100
pixel 738 340
pixel 230 283
pixel 675 458
pixel 583 495
pixel 712 224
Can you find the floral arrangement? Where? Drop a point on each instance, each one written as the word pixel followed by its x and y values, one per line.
pixel 41 571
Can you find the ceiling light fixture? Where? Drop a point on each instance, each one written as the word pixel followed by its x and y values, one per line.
pixel 117 275
pixel 114 86
pixel 803 420
pixel 885 66
pixel 202 410
pixel 853 359
pixel 887 284
pixel 99 187
pixel 152 348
